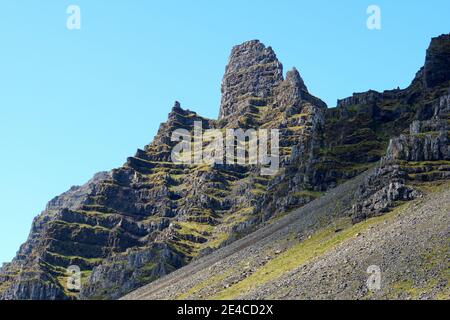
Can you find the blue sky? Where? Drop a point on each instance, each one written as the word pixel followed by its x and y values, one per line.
pixel 73 103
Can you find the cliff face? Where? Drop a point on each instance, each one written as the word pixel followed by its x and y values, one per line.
pixel 130 226
pixel 253 71
pixel 436 71
pixel 421 155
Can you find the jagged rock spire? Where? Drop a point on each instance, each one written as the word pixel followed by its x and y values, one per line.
pixel 253 70
pixel 177 106
pixel 437 62
pixel 293 76
pixel 292 92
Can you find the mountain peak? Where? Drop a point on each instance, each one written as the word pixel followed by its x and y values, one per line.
pixel 437 62
pixel 252 48
pixel 176 106
pixel 253 70
pixel 293 76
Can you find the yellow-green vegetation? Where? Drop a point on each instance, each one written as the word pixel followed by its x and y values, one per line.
pixel 93 213
pixel 216 240
pixel 187 248
pixel 187 229
pixel 333 163
pixel 194 228
pixel 200 212
pixel 207 283
pixel 273 123
pixel 258 189
pixel 430 261
pixel 63 278
pixel 223 233
pixel 179 188
pixel 99 208
pixel 432 187
pixel 369 146
pixel 239 216
pixel 4 285
pixel 415 176
pixel 424 163
pixel 320 242
pixel 74 259
pixel 445 294
pixel 146 272
pixel 296 128
pixel 299 115
pixel 7 281
pixel 75 225
pixel 308 193
pixel 216 193
pixel 404 289
pixel 285 151
pixel 424 134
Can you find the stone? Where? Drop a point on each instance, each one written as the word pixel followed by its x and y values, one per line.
pixel 437 63
pixel 253 71
pixel 130 226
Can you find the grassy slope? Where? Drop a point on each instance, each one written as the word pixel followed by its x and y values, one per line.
pixel 319 243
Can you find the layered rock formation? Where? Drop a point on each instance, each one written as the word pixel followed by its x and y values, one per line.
pixel 253 71
pixel 151 216
pixel 423 155
pixel 436 70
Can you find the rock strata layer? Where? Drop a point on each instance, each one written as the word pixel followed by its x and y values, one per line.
pixel 141 221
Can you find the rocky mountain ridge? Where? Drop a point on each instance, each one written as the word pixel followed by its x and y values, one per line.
pixel 137 223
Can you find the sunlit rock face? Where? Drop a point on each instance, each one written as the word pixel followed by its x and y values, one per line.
pixel 149 217
pixel 253 71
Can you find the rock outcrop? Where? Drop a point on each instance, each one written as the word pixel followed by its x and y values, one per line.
pixel 436 70
pixel 252 72
pixel 421 155
pixel 141 221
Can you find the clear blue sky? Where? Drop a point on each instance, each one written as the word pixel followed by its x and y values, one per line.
pixel 76 102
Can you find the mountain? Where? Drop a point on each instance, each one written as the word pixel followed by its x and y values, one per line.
pixel 138 223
